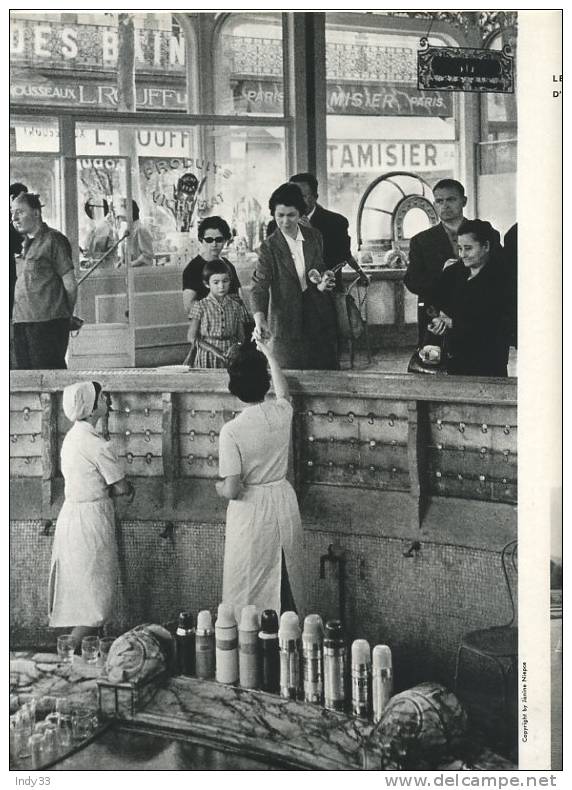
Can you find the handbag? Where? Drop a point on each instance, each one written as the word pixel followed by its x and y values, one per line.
pixel 350 321
pixel 419 365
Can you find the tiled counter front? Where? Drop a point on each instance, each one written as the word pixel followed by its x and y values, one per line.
pixel 407 488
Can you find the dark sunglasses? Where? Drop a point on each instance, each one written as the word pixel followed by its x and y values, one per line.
pixel 211 239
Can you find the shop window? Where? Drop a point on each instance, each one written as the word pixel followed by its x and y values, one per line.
pixel 248 65
pixel 35 162
pixel 179 175
pixel 499 121
pixel 377 120
pixel 72 60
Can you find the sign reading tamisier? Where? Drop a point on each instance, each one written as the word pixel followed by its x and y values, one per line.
pixel 464 69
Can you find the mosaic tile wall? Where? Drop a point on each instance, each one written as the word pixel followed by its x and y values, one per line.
pixel 419 604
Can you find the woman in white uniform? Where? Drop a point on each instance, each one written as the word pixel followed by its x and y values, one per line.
pixel 264 540
pixel 84 567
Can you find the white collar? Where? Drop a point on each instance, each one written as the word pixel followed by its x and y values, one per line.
pixel 299 236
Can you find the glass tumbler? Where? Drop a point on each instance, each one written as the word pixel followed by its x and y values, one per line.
pixel 82 722
pixel 65 730
pixel 105 643
pixel 90 649
pixel 36 743
pixel 65 645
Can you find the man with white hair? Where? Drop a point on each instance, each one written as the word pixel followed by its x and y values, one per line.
pixel 46 289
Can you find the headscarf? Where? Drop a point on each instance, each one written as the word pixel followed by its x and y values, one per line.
pixel 79 400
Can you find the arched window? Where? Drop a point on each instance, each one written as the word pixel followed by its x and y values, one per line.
pixel 248 65
pixel 378 121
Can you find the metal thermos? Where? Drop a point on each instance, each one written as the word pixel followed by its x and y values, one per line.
pixel 335 666
pixel 269 652
pixel 382 680
pixel 361 678
pixel 247 644
pixel 226 636
pixel 185 639
pixel 205 646
pixel 312 659
pixel 288 636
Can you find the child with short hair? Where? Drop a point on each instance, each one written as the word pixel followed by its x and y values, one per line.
pixel 220 319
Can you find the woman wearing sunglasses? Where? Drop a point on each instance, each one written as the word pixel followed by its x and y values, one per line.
pixel 213 234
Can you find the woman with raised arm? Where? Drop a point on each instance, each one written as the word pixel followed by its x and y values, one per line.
pixel 263 553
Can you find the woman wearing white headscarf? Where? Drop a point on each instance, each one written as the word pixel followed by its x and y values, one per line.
pixel 84 567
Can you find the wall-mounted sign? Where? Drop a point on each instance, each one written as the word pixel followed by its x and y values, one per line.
pixel 374 156
pixel 464 69
pixel 355 98
pixel 43 43
pixel 92 94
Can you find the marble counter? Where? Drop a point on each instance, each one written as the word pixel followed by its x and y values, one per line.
pixel 223 719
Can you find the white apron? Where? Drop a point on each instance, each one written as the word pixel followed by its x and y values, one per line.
pixel 84 565
pixel 261 525
pixel 265 520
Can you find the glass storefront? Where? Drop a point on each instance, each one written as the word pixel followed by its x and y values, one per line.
pixel 378 121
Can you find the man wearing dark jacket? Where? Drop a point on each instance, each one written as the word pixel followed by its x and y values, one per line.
pixel 431 250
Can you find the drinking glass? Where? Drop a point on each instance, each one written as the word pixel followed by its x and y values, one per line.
pixel 90 649
pixel 105 643
pixel 50 742
pixel 82 721
pixel 65 730
pixel 66 648
pixel 63 706
pixel 19 736
pixel 36 744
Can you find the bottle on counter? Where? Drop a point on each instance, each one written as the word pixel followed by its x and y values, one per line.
pixel 382 680
pixel 226 642
pixel 269 652
pixel 288 636
pixel 185 641
pixel 247 644
pixel 361 678
pixel 335 666
pixel 205 646
pixel 312 659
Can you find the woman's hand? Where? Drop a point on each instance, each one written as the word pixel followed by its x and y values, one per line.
pixel 262 347
pixel 328 281
pixel 229 487
pixel 440 324
pixel 261 331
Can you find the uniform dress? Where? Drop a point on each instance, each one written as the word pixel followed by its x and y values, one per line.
pixel 84 566
pixel 264 522
pixel 222 323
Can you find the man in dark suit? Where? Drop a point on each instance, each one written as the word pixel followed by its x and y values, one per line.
pixel 432 250
pixel 332 226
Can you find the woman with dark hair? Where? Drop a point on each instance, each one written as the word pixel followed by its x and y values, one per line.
pixel 213 234
pixel 84 568
pixel 263 555
pixel 472 297
pixel 297 313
